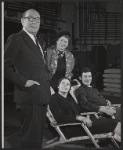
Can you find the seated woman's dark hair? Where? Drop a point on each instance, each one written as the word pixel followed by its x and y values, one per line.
pixel 85 69
pixel 63 79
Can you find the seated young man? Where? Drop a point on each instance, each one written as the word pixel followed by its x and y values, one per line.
pixel 90 99
pixel 65 110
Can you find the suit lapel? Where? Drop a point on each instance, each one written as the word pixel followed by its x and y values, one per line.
pixel 31 44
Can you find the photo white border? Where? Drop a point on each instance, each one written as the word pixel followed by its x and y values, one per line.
pixel 2 74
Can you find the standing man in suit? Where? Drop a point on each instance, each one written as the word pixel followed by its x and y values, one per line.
pixel 25 67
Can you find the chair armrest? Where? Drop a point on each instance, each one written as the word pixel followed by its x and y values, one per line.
pixel 88 113
pixel 68 124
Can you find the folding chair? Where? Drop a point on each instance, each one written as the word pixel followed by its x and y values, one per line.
pixel 63 139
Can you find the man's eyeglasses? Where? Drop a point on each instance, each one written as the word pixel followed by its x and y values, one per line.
pixel 32 19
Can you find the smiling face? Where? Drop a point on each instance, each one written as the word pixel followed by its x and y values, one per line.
pixel 86 78
pixel 62 43
pixel 64 86
pixel 31 26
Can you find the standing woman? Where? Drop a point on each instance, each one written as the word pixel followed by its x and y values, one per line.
pixel 60 60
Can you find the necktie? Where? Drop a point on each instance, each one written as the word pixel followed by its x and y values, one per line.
pixel 37 44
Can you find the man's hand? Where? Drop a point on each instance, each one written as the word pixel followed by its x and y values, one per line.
pixel 31 82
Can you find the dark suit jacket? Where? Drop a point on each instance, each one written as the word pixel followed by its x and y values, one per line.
pixel 23 61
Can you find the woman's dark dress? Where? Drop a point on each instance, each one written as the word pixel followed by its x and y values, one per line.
pixel 65 111
pixel 60 72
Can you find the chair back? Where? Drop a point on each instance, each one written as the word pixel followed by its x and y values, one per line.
pixel 50 116
pixel 72 93
pixel 73 88
pixel 52 91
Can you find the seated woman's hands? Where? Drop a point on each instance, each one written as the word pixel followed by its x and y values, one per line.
pixel 107 110
pixel 85 120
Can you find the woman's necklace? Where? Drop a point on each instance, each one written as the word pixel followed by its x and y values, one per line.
pixel 60 53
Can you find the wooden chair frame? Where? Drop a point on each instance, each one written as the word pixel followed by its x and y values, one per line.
pixel 63 139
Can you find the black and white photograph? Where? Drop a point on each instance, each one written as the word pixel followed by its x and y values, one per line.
pixel 61 74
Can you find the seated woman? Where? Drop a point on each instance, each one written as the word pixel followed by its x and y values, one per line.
pixel 65 110
pixel 90 99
